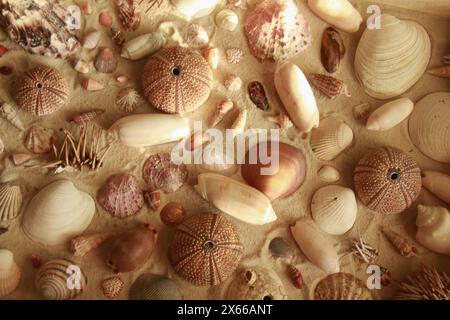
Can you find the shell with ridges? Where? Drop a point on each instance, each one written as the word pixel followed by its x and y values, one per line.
pixel 328 85
pixel 161 173
pixel 81 245
pixel 390 114
pixel 330 139
pixel 112 287
pixel 153 287
pixel 40 140
pixel 196 36
pixel 405 247
pixel 433 228
pixel 9 113
pixel 338 13
pixel 129 14
pixel 92 39
pixel 83 118
pixel 342 286
pixel 437 183
pixel 222 109
pixel 11 199
pixel 105 61
pixel 128 100
pixel 9 273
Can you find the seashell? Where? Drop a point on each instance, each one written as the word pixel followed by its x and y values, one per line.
pixel 235 3
pixel 437 183
pixel 234 55
pixel 212 56
pixel 121 196
pixel 428 126
pixel 391 60
pixel 83 118
pixel 177 80
pixel 331 139
pixel 143 46
pixel 160 173
pixel 153 199
pixel 329 86
pixel 361 112
pixel 152 287
pixel 316 247
pixel 20 158
pixel 240 122
pixel 390 114
pixel 194 8
pixel 57 213
pixel 256 283
pixel 405 247
pixel 128 100
pixel 9 113
pixel 6 70
pixel 222 110
pixel 197 140
pixel 36 261
pixel 105 62
pixel 232 83
pixel 172 214
pixel 117 37
pixel 276 30
pixel 281 119
pixel 123 79
pixel 296 277
pixel 105 19
pixel 11 199
pixel 40 140
pixel 144 130
pixel 216 161
pixel 3 230
pixel 73 18
pixel 81 66
pixel 332 50
pixel 112 287
pixel 92 85
pixel 447 59
pixel 258 95
pixel 279 177
pixel 433 228
pixel 297 96
pixel 342 286
pixel 236 199
pixel 205 249
pixel 60 279
pixel 196 36
pixel 227 19
pixel 92 39
pixel 129 14
pixel 83 244
pixel 9 273
pixel 279 248
pixel 328 174
pixel 41 91
pixel 385 277
pixel 339 13
pixel 443 72
pixel 387 180
pixel 131 249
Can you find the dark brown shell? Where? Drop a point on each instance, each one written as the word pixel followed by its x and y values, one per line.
pixel 206 249
pixel 342 286
pixel 332 50
pixel 161 173
pixel 258 95
pixel 172 214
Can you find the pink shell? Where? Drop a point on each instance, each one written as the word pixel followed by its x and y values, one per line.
pixel 271 34
pixel 162 174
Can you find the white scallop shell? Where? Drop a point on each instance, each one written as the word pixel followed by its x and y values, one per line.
pixel 433 228
pixel 328 174
pixel 9 273
pixel 227 19
pixel 10 201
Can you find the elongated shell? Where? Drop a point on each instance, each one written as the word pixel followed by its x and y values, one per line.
pixel 403 245
pixel 10 201
pixel 437 183
pixel 330 139
pixel 329 86
pixel 390 114
pixel 332 50
pixel 81 245
pixel 338 13
pixel 143 46
pixel 297 96
pixel 342 286
pixel 153 287
pixel 433 228
pixel 146 130
pixel 9 113
pixel 236 199
pixel 9 273
pixel 334 209
pixel 316 247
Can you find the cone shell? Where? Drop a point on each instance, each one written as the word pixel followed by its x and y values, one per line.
pixel 112 287
pixel 342 286
pixel 205 249
pixel 329 86
pixel 338 13
pixel 40 140
pixel 331 139
pixel 222 110
pixel 152 287
pixel 334 209
pixel 437 183
pixel 81 245
pixel 11 199
pixel 387 180
pixel 433 228
pixel 390 114
pixel 92 85
pixel 143 46
pixel 9 273
pixel 105 62
pixel 161 173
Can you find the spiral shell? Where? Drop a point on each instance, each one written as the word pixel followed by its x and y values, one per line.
pixel 9 273
pixel 433 228
pixel 330 139
pixel 11 199
pixel 227 19
pixel 152 287
pixel 341 286
pixel 81 245
pixel 161 173
pixel 112 287
pixel 40 140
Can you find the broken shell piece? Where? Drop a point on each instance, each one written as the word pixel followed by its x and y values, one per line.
pixel 234 55
pixel 390 114
pixel 9 113
pixel 92 85
pixel 328 174
pixel 443 72
pixel 405 247
pixel 128 100
pixel 232 83
pixel 196 36
pixel 227 19
pixel 222 110
pixel 112 287
pixel 81 66
pixel 3 50
pixel 129 14
pixel 258 95
pixel 361 112
pixel 83 244
pixel 9 273
pixel 91 40
pixel 86 9
pixel 153 199
pixel 240 122
pixel 212 56
pixel 20 158
pixel 40 140
pixel 105 19
pixel 105 62
pixel 281 119
pixel 143 46
pixel 329 86
pixel 85 117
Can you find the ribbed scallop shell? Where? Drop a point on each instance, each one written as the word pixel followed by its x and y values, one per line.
pixel 330 138
pixel 334 209
pixel 161 173
pixel 121 196
pixel 11 199
pixel 177 80
pixel 152 287
pixel 40 140
pixel 9 273
pixel 428 126
pixel 387 180
pixel 342 286
pixel 60 279
pixel 205 249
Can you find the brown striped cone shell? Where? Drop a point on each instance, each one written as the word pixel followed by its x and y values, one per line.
pixel 85 117
pixel 329 86
pixel 41 91
pixel 404 246
pixel 152 287
pixel 387 180
pixel 40 140
pixel 205 249
pixel 121 196
pixel 11 199
pixel 112 287
pixel 162 174
pixel 9 273
pixel 177 80
pixel 341 286
pixel 81 245
pixel 9 113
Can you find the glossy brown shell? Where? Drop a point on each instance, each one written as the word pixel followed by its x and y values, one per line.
pixel 177 80
pixel 205 249
pixel 162 174
pixel 387 180
pixel 341 286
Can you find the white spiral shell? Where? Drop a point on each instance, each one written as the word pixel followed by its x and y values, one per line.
pixel 433 228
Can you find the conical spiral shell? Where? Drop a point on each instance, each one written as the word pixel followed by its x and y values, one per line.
pixel 342 286
pixel 11 199
pixel 433 228
pixel 9 113
pixel 152 287
pixel 9 273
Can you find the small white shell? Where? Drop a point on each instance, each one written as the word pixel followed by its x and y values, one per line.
pixel 227 19
pixel 10 201
pixel 330 139
pixel 143 46
pixel 232 83
pixel 9 273
pixel 437 183
pixel 433 228
pixel 218 162
pixel 328 174
pixel 390 114
pixel 91 40
pixel 195 8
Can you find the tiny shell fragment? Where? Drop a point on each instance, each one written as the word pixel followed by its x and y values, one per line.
pixel 258 95
pixel 3 50
pixel 6 70
pixel 153 199
pixel 329 86
pixel 234 55
pixel 212 56
pixel 20 158
pixel 361 112
pixel 36 261
pixel 92 85
pixel 40 140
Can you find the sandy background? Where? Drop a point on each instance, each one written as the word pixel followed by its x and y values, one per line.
pixel 254 238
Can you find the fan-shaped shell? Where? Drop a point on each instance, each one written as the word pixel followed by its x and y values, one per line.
pixel 10 201
pixel 428 126
pixel 152 287
pixel 390 60
pixel 387 180
pixel 334 209
pixel 9 273
pixel 342 286
pixel 121 196
pixel 330 139
pixel 177 80
pixel 161 173
pixel 40 140
pixel 433 228
pixel 205 249
pixel 58 212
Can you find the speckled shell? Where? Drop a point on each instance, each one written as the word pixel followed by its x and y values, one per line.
pixel 160 173
pixel 153 287
pixel 41 91
pixel 9 273
pixel 10 201
pixel 121 196
pixel 330 139
pixel 177 80
pixel 112 287
pixel 387 180
pixel 205 249
pixel 342 286
pixel 40 140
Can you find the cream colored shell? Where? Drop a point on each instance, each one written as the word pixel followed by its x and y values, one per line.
pixel 227 19
pixel 390 114
pixel 10 201
pixel 328 174
pixel 437 183
pixel 433 228
pixel 339 13
pixel 9 273
pixel 195 8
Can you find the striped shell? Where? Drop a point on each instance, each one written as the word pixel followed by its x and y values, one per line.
pixel 387 180
pixel 341 286
pixel 329 86
pixel 10 201
pixel 121 196
pixel 205 249
pixel 40 140
pixel 112 287
pixel 153 287
pixel 9 273
pixel 81 245
pixel 160 173
pixel 177 80
pixel 41 91
pixel 60 279
pixel 83 118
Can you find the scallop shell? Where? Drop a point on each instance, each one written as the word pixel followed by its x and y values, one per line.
pixel 328 174
pixel 9 273
pixel 128 100
pixel 334 209
pixel 129 14
pixel 279 248
pixel 433 228
pixel 227 19
pixel 387 180
pixel 60 279
pixel 121 196
pixel 9 113
pixel 428 126
pixel 205 249
pixel 81 245
pixel 330 139
pixel 105 62
pixel 11 199
pixel 161 173
pixel 152 287
pixel 437 183
pixel 390 114
pixel 341 286
pixel 40 140
pixel 392 59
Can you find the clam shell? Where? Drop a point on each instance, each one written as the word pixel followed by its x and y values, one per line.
pixel 105 62
pixel 161 173
pixel 390 114
pixel 11 199
pixel 227 19
pixel 40 140
pixel 152 287
pixel 9 273
pixel 433 228
pixel 437 183
pixel 328 174
pixel 338 13
pixel 342 286
pixel 330 139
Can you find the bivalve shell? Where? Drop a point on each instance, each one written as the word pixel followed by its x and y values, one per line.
pixel 153 287
pixel 9 273
pixel 437 183
pixel 81 245
pixel 390 114
pixel 11 199
pixel 105 62
pixel 92 39
pixel 328 174
pixel 330 139
pixel 40 140
pixel 227 19
pixel 342 286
